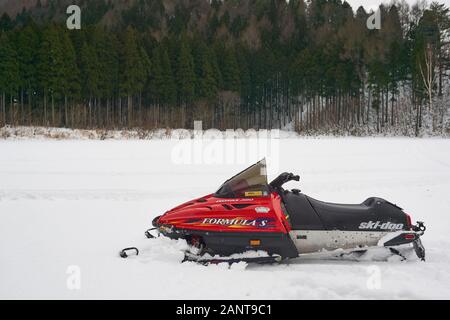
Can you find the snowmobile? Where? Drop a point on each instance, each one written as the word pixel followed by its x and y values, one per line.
pixel 249 215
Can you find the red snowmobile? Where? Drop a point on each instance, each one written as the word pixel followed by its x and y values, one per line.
pixel 248 219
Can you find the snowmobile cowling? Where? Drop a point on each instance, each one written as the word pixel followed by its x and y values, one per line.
pixel 247 214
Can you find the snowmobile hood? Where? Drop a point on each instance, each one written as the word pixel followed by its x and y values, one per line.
pixel 226 214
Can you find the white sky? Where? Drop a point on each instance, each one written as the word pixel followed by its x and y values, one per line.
pixel 372 4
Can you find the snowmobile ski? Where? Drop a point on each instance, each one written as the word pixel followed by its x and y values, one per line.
pixel 124 253
pixel 148 233
pixel 230 260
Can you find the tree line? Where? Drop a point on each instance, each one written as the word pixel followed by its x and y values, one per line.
pixel 314 67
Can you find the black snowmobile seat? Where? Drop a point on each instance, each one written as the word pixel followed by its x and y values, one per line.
pixel 302 215
pixel 306 213
pixel 335 216
pixel 322 207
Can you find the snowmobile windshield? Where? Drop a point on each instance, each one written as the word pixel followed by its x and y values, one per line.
pixel 252 182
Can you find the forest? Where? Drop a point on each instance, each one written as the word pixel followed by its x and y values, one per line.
pixel 310 66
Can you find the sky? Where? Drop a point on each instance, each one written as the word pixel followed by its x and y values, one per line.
pixel 372 4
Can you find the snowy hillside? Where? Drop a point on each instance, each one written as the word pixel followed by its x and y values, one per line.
pixel 72 205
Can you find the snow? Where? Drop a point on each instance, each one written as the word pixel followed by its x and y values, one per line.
pixel 68 206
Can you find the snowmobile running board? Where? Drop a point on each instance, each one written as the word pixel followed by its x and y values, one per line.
pixel 217 260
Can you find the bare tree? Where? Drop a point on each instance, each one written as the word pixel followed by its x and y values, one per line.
pixel 428 75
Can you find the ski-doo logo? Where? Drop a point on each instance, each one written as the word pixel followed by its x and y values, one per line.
pixel 380 225
pixel 237 222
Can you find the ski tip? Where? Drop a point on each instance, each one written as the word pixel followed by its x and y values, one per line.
pixel 124 253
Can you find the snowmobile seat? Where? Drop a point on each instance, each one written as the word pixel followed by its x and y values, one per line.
pixel 344 216
pixel 302 215
pixel 339 208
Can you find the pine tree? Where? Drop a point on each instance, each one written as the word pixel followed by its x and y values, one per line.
pixel 185 72
pixel 131 65
pixel 9 73
pixel 169 89
pixel 6 24
pixel 206 84
pixel 245 78
pixel 90 76
pixel 162 83
pixel 27 44
pixel 90 71
pixel 214 60
pixel 144 76
pixel 106 45
pixel 245 82
pixel 70 84
pixel 156 78
pixel 230 71
pixel 108 62
pixel 144 72
pixel 132 70
pixel 50 68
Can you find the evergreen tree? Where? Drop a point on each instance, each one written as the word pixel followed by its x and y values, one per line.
pixel 245 77
pixel 162 84
pixel 144 73
pixel 105 47
pixel 206 85
pixel 70 84
pixel 169 89
pixel 132 68
pixel 9 73
pixel 230 71
pixel 185 72
pixel 6 24
pixel 157 85
pixel 90 72
pixel 27 44
pixel 50 68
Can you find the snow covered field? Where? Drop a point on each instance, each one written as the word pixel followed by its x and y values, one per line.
pixel 68 207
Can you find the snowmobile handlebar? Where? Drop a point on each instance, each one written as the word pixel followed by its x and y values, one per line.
pixel 283 178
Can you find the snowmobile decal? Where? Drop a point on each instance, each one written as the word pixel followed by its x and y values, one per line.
pixel 254 194
pixel 234 200
pixel 380 225
pixel 239 222
pixel 262 209
pixel 236 222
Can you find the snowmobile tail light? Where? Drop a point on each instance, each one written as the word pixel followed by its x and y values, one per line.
pixel 410 236
pixel 255 242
